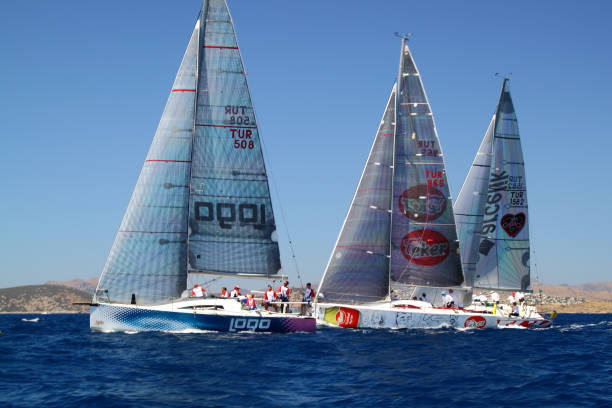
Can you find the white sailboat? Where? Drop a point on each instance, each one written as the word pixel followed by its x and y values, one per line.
pixel 201 205
pixel 398 248
pixel 493 218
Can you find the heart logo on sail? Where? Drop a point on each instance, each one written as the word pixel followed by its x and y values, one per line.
pixel 513 223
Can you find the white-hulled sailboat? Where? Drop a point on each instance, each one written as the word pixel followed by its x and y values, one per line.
pixel 201 204
pixel 493 220
pixel 398 248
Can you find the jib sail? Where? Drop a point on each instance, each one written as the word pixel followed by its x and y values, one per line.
pixel 358 270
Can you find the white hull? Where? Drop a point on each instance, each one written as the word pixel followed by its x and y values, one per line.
pixel 417 315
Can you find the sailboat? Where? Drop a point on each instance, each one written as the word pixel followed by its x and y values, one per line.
pixel 493 219
pixel 201 205
pixel 398 251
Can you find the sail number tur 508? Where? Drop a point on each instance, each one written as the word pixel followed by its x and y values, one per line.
pixel 226 214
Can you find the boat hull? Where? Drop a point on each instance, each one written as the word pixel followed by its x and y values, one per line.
pixel 387 316
pixel 111 317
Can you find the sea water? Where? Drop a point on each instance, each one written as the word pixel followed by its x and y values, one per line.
pixel 57 362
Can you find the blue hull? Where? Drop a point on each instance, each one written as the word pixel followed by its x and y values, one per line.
pixel 121 318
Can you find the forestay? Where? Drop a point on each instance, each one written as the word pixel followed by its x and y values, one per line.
pixel 358 270
pixel 424 245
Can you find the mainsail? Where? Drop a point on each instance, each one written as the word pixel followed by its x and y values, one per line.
pixel 201 202
pixel 424 245
pixel 400 228
pixel 493 207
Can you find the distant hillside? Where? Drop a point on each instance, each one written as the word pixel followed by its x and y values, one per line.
pixel 601 291
pixel 88 285
pixel 42 298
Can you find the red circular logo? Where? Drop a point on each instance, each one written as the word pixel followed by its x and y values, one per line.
pixel 422 203
pixel 475 322
pixel 347 317
pixel 425 247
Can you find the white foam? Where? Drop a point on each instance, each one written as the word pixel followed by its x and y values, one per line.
pixel 34 320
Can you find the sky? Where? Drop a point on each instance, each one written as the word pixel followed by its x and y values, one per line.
pixel 83 86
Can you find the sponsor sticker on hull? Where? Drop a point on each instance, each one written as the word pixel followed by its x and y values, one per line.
pixel 475 322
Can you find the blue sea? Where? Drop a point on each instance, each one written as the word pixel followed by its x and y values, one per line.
pixel 58 362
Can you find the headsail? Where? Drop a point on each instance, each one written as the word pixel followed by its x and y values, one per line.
pixel 424 245
pixel 358 270
pixel 231 223
pixel 470 204
pixel 201 202
pixel 502 254
pixel 149 252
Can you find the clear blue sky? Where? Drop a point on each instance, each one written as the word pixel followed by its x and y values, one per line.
pixel 83 85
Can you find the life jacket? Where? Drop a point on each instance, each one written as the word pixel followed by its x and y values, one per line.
pixel 270 295
pixel 308 295
pixel 197 292
pixel 251 303
pixel 235 293
pixel 283 292
pixel 225 293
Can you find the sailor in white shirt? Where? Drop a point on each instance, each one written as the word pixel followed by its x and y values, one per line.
pixel 495 297
pixel 447 300
pixel 511 299
pixel 197 291
pixel 452 294
pixel 235 292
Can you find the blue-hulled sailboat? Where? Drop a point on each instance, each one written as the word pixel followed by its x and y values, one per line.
pixel 201 204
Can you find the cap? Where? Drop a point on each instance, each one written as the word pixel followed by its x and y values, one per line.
pixel 236 287
pixel 195 284
pixel 443 292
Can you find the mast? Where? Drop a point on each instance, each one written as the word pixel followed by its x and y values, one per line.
pixel 398 81
pixel 201 30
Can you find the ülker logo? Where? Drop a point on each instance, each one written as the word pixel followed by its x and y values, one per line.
pixel 475 322
pixel 425 247
pixel 347 317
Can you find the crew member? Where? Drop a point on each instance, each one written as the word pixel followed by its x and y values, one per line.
pixel 515 310
pixel 224 292
pixel 495 298
pixel 197 291
pixel 283 295
pixel 235 292
pixel 447 300
pixel 250 302
pixel 269 297
pixel 424 297
pixel 455 301
pixel 511 298
pixel 308 296
pixel 520 296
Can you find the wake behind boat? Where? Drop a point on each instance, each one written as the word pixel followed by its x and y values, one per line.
pixel 201 205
